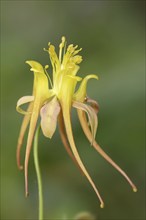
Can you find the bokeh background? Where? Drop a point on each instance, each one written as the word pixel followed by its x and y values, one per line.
pixel 111 34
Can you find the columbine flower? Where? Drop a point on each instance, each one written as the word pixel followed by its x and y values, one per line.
pixel 53 100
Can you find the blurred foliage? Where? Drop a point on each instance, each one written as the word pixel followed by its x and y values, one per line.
pixel 112 35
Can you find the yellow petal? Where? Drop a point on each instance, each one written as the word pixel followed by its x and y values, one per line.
pixel 91 115
pixel 93 103
pixel 22 133
pixel 84 124
pixel 40 87
pixel 49 113
pixel 67 88
pixel 81 92
pixel 41 94
pixel 33 122
pixel 35 66
pixel 66 115
pixel 22 101
pixel 64 139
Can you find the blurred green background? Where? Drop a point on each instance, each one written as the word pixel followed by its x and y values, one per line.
pixel 111 34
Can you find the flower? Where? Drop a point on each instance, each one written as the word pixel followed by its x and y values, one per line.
pixel 53 100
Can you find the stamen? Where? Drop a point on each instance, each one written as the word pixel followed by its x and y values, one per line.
pixel 46 50
pixel 47 74
pixel 61 46
pixel 64 51
pixel 77 51
pixel 46 67
pixel 54 59
pixel 76 59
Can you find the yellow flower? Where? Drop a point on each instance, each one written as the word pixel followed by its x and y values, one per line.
pixel 53 100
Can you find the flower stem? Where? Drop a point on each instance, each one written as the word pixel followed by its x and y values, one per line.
pixel 37 168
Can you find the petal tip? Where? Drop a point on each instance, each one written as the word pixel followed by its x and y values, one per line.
pixel 20 167
pixel 134 189
pixel 102 205
pixel 26 194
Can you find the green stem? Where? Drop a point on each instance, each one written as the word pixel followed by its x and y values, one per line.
pixel 37 168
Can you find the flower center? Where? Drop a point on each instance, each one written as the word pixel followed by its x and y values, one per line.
pixel 66 64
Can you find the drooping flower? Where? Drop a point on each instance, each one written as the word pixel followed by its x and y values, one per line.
pixel 53 100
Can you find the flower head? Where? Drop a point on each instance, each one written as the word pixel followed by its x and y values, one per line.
pixel 52 100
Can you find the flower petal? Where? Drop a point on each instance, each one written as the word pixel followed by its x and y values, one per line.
pixel 64 139
pixel 33 122
pixel 93 103
pixel 40 81
pixel 81 92
pixel 41 94
pixel 22 101
pixel 49 113
pixel 67 88
pixel 84 124
pixel 35 66
pixel 66 115
pixel 91 116
pixel 24 126
pixel 66 102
